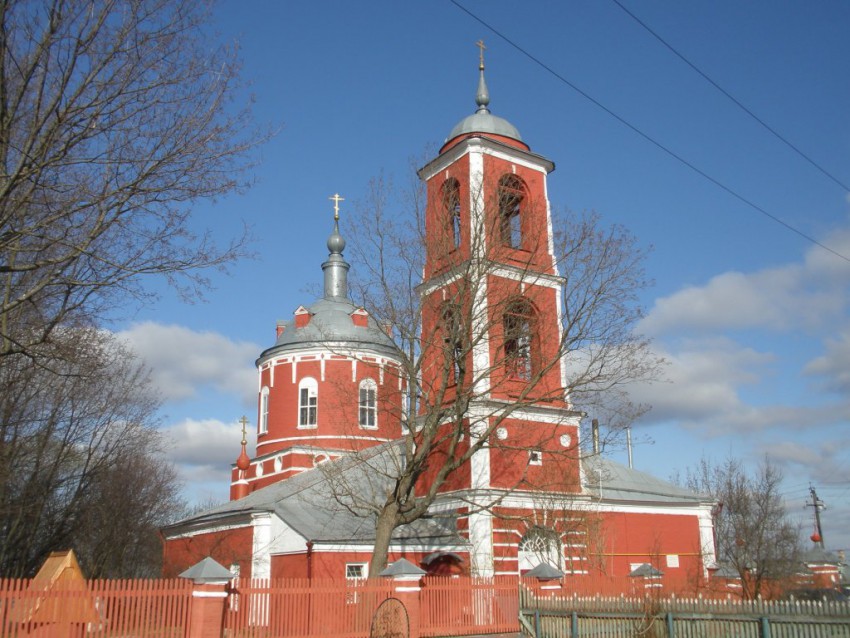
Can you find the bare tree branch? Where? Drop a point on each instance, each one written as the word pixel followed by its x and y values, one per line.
pixel 115 119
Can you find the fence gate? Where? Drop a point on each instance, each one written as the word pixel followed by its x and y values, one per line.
pixel 390 620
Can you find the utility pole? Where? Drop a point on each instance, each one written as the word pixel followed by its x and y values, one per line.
pixel 817 537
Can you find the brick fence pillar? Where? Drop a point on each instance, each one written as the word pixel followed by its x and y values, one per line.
pixel 544 579
pixel 209 597
pixel 408 589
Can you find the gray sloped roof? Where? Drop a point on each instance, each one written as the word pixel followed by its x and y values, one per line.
pixel 611 481
pixel 725 570
pixel 817 555
pixel 331 327
pixel 329 503
pixel 645 570
pixel 207 570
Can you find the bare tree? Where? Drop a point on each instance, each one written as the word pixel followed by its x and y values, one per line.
pixel 79 459
pixel 463 390
pixel 115 118
pixel 125 505
pixel 753 533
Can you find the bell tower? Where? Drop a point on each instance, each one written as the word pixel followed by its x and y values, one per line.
pixel 492 314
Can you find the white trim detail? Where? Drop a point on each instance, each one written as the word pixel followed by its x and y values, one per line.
pixel 209 594
pixel 322 436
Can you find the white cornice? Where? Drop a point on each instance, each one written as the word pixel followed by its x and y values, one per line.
pixel 527 276
pixel 487 146
pixel 318 353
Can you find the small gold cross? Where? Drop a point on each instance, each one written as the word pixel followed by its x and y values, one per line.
pixel 481 47
pixel 336 200
pixel 244 422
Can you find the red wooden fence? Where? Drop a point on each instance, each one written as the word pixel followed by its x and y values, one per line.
pixel 303 608
pixel 97 608
pixel 451 606
pixel 457 606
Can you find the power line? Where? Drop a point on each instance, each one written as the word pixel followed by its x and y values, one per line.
pixel 732 98
pixel 646 136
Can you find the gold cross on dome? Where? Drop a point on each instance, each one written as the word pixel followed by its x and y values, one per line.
pixel 244 422
pixel 336 200
pixel 481 47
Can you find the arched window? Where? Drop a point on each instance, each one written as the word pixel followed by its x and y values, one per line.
pixel 451 209
pixel 308 403
pixel 368 404
pixel 452 330
pixel 519 336
pixel 540 545
pixel 264 410
pixel 511 195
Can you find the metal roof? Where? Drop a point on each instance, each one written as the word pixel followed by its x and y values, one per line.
pixel 611 481
pixel 645 570
pixel 327 503
pixel 482 121
pixel 331 325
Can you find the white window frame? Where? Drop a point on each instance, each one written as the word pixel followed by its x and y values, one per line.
pixel 540 546
pixel 363 569
pixel 308 403
pixel 367 408
pixel 264 410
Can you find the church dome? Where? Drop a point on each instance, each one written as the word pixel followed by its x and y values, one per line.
pixel 483 121
pixel 332 324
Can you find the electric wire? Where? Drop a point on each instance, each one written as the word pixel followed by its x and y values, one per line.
pixel 646 136
pixel 732 98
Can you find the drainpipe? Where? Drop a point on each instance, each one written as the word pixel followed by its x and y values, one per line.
pixel 310 560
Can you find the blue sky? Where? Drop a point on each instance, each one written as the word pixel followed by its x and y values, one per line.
pixel 752 317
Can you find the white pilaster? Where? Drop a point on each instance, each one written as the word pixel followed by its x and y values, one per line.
pixel 481 539
pixel 261 565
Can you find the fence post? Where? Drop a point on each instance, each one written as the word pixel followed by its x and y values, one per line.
pixel 548 577
pixel 209 595
pixel 671 629
pixel 765 627
pixel 574 624
pixel 407 579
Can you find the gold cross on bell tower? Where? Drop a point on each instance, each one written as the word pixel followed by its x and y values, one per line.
pixel 244 422
pixel 481 47
pixel 336 200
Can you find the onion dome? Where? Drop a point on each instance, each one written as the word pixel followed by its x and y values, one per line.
pixel 334 321
pixel 483 121
pixel 244 461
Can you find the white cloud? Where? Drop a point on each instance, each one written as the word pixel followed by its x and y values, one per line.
pixel 749 337
pixel 834 365
pixel 807 295
pixel 702 385
pixel 203 452
pixel 205 442
pixel 183 360
pixel 779 299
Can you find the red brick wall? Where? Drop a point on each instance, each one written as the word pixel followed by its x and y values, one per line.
pixel 228 547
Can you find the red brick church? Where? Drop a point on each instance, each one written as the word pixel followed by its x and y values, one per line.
pixel 332 392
